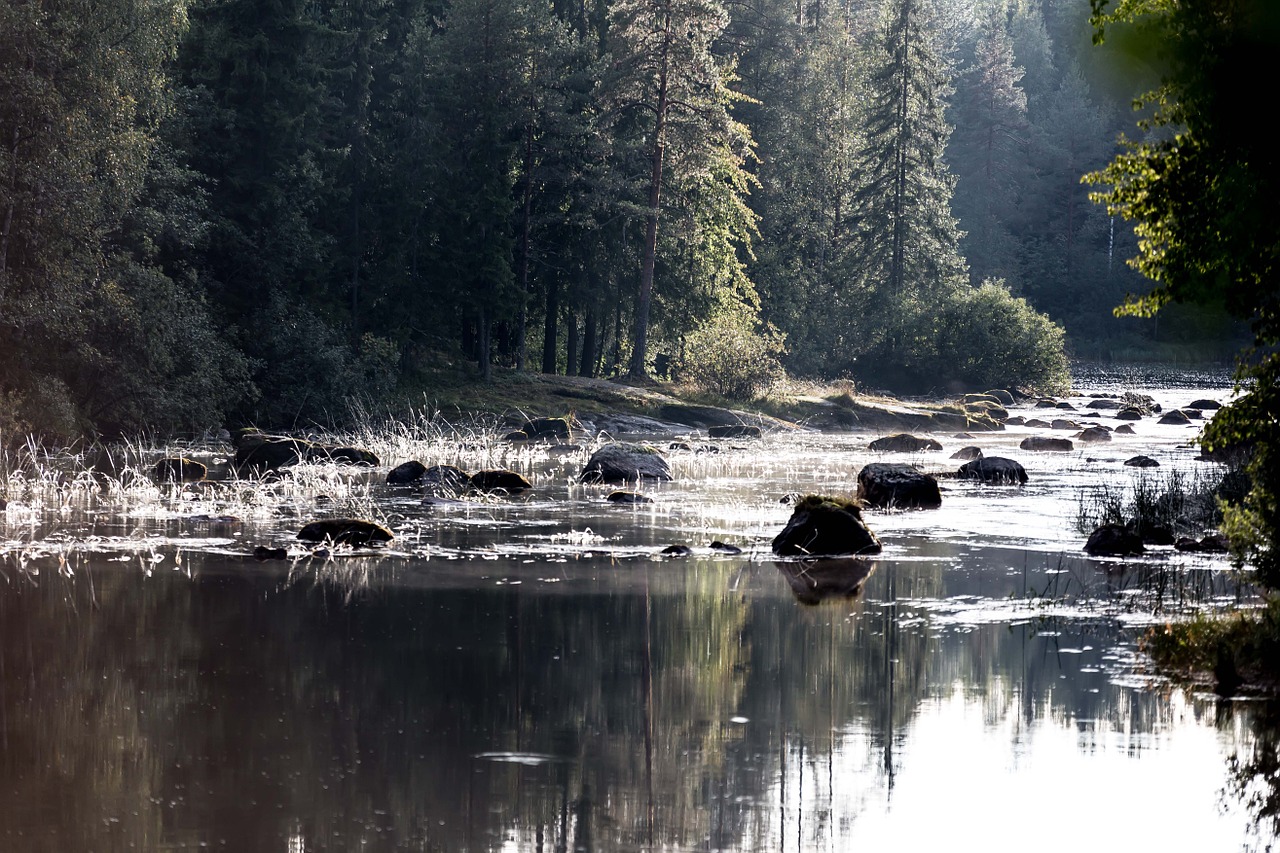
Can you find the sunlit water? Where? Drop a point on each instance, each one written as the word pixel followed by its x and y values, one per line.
pixel 532 674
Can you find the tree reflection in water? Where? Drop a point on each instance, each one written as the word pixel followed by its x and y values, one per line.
pixel 1253 771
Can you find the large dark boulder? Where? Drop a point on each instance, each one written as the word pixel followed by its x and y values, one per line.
pixel 406 473
pixel 257 452
pixel 1064 424
pixel 823 526
pixel 1204 404
pixel 179 469
pixel 1113 540
pixel 897 486
pixel 1129 414
pixel 1175 418
pixel 968 453
pixel 1095 435
pixel 1044 444
pixel 904 443
pixel 1105 403
pixel 815 581
pixel 499 479
pixel 621 462
pixel 994 469
pixel 345 531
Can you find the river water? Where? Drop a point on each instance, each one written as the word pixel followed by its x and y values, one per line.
pixel 533 674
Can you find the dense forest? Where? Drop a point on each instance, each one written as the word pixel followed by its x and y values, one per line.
pixel 250 210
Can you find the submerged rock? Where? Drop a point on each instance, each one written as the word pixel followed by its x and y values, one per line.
pixel 1044 444
pixel 621 462
pixel 994 469
pixel 345 531
pixel 493 480
pixel 179 469
pixel 1142 462
pixel 677 551
pixel 968 453
pixel 903 443
pixel 445 479
pixel 628 498
pixel 725 548
pixel 822 525
pixel 894 485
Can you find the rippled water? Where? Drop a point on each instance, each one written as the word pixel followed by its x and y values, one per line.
pixel 531 673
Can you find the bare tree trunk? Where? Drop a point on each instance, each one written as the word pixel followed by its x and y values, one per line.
pixel 638 352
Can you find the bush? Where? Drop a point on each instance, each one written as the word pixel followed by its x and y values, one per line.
pixel 727 358
pixel 985 337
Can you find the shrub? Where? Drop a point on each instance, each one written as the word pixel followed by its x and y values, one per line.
pixel 728 358
pixel 985 337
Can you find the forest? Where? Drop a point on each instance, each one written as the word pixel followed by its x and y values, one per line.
pixel 249 211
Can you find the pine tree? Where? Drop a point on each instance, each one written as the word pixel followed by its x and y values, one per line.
pixel 669 75
pixel 907 255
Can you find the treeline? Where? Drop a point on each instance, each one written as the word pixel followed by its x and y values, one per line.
pixel 255 208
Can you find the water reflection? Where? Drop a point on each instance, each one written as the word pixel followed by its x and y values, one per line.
pixel 816 581
pixel 623 707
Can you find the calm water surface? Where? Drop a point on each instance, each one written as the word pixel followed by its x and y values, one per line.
pixel 531 674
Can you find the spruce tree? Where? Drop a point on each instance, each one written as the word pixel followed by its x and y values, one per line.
pixel 907 256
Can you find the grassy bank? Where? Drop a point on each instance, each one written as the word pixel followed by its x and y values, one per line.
pixel 1236 652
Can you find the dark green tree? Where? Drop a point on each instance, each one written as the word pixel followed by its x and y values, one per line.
pixel 669 76
pixel 83 91
pixel 907 255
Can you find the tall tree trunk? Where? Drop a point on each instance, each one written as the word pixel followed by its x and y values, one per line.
pixel 638 352
pixel 526 215
pixel 549 330
pixel 587 366
pixel 571 345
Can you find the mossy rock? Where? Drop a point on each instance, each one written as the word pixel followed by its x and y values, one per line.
pixel 355 532
pixel 823 525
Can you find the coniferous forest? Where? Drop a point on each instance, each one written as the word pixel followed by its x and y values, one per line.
pixel 250 210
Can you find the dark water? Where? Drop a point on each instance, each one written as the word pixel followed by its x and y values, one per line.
pixel 531 675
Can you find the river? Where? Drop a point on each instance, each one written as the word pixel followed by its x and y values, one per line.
pixel 533 674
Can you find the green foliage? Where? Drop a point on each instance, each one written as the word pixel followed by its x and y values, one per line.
pixel 1245 643
pixel 729 357
pixel 985 337
pixel 1173 500
pixel 1202 189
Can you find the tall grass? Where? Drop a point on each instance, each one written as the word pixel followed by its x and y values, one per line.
pixel 1174 500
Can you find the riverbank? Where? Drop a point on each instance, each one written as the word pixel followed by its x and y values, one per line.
pixel 514 396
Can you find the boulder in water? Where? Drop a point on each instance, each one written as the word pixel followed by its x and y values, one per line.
pixel 621 462
pixel 1114 540
pixel 822 525
pixel 499 479
pixel 994 469
pixel 1044 444
pixel 897 486
pixel 345 531
pixel 904 443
